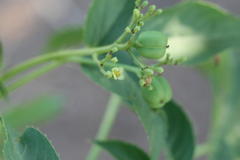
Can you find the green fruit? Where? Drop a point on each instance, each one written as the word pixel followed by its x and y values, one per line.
pixel 159 95
pixel 152 44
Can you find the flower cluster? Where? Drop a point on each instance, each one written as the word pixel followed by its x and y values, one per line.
pixel 149 44
pixel 108 65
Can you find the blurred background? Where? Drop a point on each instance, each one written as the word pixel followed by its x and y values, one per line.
pixel 25 27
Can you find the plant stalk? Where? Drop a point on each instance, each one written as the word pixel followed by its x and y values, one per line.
pixel 59 55
pixel 202 150
pixel 53 65
pixel 33 75
pixel 106 124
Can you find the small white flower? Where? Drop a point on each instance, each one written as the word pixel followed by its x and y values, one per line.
pixel 118 73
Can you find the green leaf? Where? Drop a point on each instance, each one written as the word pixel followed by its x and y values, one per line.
pixel 197 30
pixel 36 146
pixel 166 128
pixel 223 72
pixel 105 31
pixel 11 148
pixel 3 90
pixel 2 137
pixel 180 139
pixel 32 145
pixel 33 112
pixel 123 151
pixel 129 90
pixel 106 20
pixel 68 37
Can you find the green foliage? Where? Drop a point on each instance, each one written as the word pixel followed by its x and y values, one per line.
pixel 32 144
pixel 118 35
pixel 181 140
pixel 127 88
pixel 3 90
pixel 153 122
pixel 122 150
pixel 2 137
pixel 69 37
pixel 197 30
pixel 129 91
pixel 35 111
pixel 223 72
pixel 106 20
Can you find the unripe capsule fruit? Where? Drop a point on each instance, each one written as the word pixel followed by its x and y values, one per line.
pixel 160 94
pixel 152 44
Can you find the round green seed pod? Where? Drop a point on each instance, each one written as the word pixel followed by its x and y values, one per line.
pixel 152 44
pixel 160 94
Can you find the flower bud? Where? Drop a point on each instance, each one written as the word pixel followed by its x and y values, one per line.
pixel 141 23
pixel 159 11
pixel 148 72
pixel 137 29
pixel 145 3
pixel 158 69
pixel 128 30
pixel 142 82
pixel 108 56
pixel 137 2
pixel 151 44
pixel 136 12
pixel 152 8
pixel 114 60
pixel 114 49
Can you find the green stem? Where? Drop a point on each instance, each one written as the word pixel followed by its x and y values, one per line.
pixel 122 37
pixel 97 61
pixel 202 150
pixel 126 33
pixel 58 56
pixel 24 80
pixel 53 65
pixel 106 124
pixel 136 60
pixel 81 60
